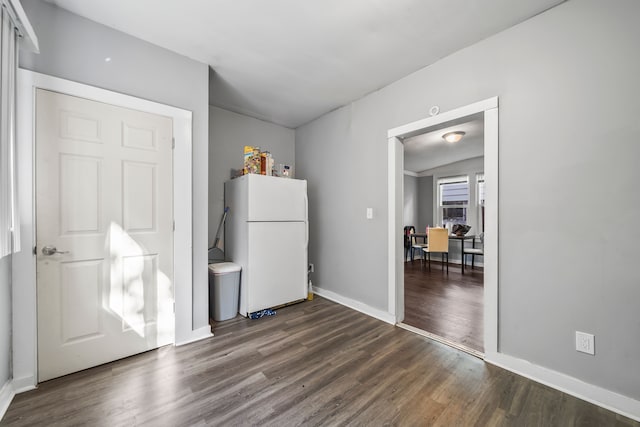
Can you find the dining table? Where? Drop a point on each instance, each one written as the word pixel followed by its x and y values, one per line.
pixel 454 237
pixel 462 239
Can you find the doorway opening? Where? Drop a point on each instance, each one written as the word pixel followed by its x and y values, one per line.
pixel 443 187
pixel 447 184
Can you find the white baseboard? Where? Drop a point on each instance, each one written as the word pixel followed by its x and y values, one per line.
pixel 6 396
pixel 356 305
pixel 197 335
pixel 20 385
pixel 607 399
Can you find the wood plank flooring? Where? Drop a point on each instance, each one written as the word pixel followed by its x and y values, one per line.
pixel 315 363
pixel 447 305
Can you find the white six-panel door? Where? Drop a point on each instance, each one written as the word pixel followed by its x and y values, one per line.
pixel 104 202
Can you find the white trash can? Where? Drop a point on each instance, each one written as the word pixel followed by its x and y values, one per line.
pixel 224 290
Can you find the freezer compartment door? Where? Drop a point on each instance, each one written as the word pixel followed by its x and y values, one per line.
pixel 276 199
pixel 277 267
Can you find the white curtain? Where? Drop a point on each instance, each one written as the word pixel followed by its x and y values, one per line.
pixel 9 227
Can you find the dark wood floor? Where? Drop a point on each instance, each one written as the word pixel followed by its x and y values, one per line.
pixel 447 305
pixel 315 363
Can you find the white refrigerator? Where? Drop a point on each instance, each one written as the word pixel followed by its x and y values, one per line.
pixel 267 233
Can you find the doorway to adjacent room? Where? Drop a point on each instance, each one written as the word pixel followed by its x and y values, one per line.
pixel 443 187
pixel 458 308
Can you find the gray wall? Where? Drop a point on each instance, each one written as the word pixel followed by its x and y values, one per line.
pixel 75 48
pixel 5 320
pixel 228 134
pixel 569 101
pixel 418 201
pixel 411 200
pixel 425 202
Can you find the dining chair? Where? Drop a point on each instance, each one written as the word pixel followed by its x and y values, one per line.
pixel 473 251
pixel 416 246
pixel 408 231
pixel 438 243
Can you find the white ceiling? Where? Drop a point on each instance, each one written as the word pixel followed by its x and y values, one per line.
pixel 290 61
pixel 429 150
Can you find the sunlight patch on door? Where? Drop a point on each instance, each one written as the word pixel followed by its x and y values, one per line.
pixel 140 295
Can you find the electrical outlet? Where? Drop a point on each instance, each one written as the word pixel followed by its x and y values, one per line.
pixel 585 343
pixel 369 213
pixel 311 268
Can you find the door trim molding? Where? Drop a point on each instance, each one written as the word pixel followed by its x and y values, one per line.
pixel 395 205
pixel 24 266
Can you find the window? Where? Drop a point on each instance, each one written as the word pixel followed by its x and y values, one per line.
pixel 9 239
pixel 453 199
pixel 480 199
pixel 460 200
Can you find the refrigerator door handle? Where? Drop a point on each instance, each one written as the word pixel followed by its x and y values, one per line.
pixel 306 219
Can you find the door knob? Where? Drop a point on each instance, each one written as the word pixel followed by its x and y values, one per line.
pixel 50 250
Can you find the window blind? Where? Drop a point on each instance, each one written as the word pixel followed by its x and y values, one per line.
pixel 454 190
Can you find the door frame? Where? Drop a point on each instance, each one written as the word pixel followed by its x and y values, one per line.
pixel 24 301
pixel 396 205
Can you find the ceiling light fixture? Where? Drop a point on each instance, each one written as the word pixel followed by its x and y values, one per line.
pixel 453 136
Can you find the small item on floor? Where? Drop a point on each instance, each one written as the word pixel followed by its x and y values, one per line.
pixel 310 292
pixel 262 313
